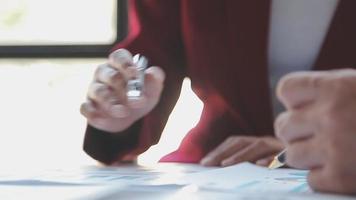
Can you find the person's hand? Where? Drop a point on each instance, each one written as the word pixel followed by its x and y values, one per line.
pixel 236 149
pixel 319 127
pixel 107 106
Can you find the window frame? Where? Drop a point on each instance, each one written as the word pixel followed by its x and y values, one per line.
pixel 60 51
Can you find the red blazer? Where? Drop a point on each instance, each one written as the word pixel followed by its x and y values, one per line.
pixel 222 46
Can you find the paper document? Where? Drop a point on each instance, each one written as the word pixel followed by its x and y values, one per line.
pixel 130 174
pixel 161 181
pixel 248 177
pixel 240 182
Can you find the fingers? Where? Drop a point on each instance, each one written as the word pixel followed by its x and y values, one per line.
pixel 303 154
pixel 154 78
pixel 92 112
pixel 108 90
pixel 89 110
pixel 294 125
pixel 113 80
pixel 297 130
pixel 298 133
pixel 239 149
pixel 103 120
pixel 253 152
pixel 120 59
pixel 332 180
pixel 299 88
pixel 99 92
pixel 107 101
pixel 118 70
pixel 108 106
pixel 108 75
pixel 224 150
pixel 318 180
pixel 153 86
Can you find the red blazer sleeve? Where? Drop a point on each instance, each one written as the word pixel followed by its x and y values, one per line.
pixel 154 31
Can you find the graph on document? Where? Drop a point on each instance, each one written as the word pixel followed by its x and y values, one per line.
pixel 247 177
pixel 292 182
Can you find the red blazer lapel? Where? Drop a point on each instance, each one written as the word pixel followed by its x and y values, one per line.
pixel 248 24
pixel 339 48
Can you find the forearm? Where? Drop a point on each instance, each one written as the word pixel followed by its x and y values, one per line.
pixel 158 38
pixel 110 147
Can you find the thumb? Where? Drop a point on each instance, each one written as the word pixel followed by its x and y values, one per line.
pixel 154 79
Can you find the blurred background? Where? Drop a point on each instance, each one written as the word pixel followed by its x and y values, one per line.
pixel 49 50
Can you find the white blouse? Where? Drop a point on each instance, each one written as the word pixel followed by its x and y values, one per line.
pixel 297 32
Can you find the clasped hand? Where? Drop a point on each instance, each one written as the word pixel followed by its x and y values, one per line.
pixel 319 127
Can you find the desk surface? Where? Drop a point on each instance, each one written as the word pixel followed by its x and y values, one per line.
pixel 161 181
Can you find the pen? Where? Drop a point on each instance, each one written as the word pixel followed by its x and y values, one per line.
pixel 135 86
pixel 278 161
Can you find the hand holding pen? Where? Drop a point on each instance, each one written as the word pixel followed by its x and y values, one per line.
pixel 122 92
pixel 319 127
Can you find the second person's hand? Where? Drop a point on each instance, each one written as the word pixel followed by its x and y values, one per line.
pixel 237 149
pixel 107 106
